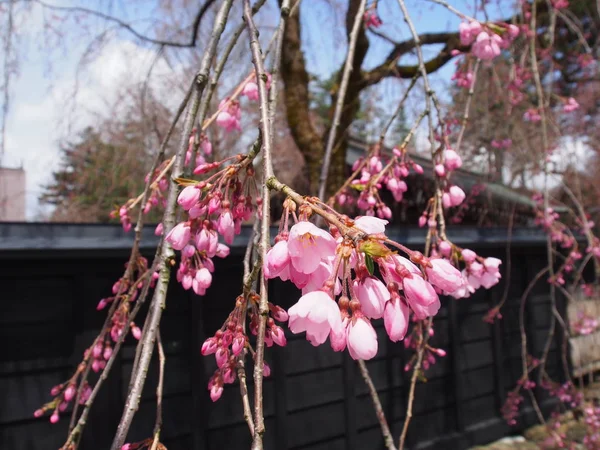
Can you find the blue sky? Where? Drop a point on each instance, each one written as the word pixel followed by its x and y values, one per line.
pixel 42 101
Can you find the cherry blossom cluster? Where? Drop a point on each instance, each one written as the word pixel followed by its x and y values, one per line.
pixel 230 112
pixel 371 19
pixel 378 171
pixel 592 420
pixel 125 292
pixel 231 341
pixel 341 295
pixel 63 395
pixel 487 40
pixel 510 409
pixel 429 353
pixel 214 207
pixel 156 197
pixel 584 324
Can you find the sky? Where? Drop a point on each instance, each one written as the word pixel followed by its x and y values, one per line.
pixel 45 106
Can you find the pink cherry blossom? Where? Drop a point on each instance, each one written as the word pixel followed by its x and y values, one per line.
pixel 317 314
pixel 278 258
pixel 372 295
pixel 179 236
pixel 452 160
pixel 339 337
pixel 370 225
pixel 308 245
pixel 444 275
pixel 225 226
pixel 421 297
pixel 487 45
pixel 457 195
pixel 362 339
pixel 468 31
pixel 188 197
pixel 204 278
pixel 395 319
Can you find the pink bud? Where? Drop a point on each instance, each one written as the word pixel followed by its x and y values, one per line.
pixel 444 275
pixel 238 344
pixel 204 278
pixel 97 350
pixel 469 255
pixel 158 231
pixel 266 370
pixel 395 318
pixel 54 417
pixel 101 304
pixel 188 197
pixel 179 236
pixel 222 251
pixel 457 195
pixel 209 346
pixel 215 392
pixel 221 356
pixel 188 251
pixel 126 447
pixel 136 332
pixel 440 170
pixel 69 393
pixel 107 353
pixel 445 248
pixel 422 221
pixel 362 339
pixel 418 168
pixel 279 314
pixel 38 413
pixel 278 336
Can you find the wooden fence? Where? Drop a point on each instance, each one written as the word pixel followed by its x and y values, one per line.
pixel 52 277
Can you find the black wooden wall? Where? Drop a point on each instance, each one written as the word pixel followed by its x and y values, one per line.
pixel 52 277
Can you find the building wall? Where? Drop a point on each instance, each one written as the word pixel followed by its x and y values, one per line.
pixel 12 195
pixel 315 398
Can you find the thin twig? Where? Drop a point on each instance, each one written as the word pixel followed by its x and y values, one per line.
pixel 413 381
pixel 341 95
pixel 465 119
pixel 263 307
pixel 159 392
pixel 385 429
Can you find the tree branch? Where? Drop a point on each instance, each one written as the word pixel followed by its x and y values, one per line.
pixel 159 298
pixel 341 95
pixel 195 25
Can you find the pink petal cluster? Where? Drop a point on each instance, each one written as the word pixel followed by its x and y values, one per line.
pixel 393 179
pixel 454 197
pixel 487 45
pixel 371 19
pixel 571 105
pixel 251 88
pixel 230 115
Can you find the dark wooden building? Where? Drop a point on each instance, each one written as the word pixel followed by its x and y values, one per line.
pixel 53 275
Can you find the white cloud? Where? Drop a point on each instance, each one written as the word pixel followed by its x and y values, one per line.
pixel 37 123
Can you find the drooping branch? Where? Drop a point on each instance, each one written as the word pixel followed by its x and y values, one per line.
pixel 159 298
pixel 263 307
